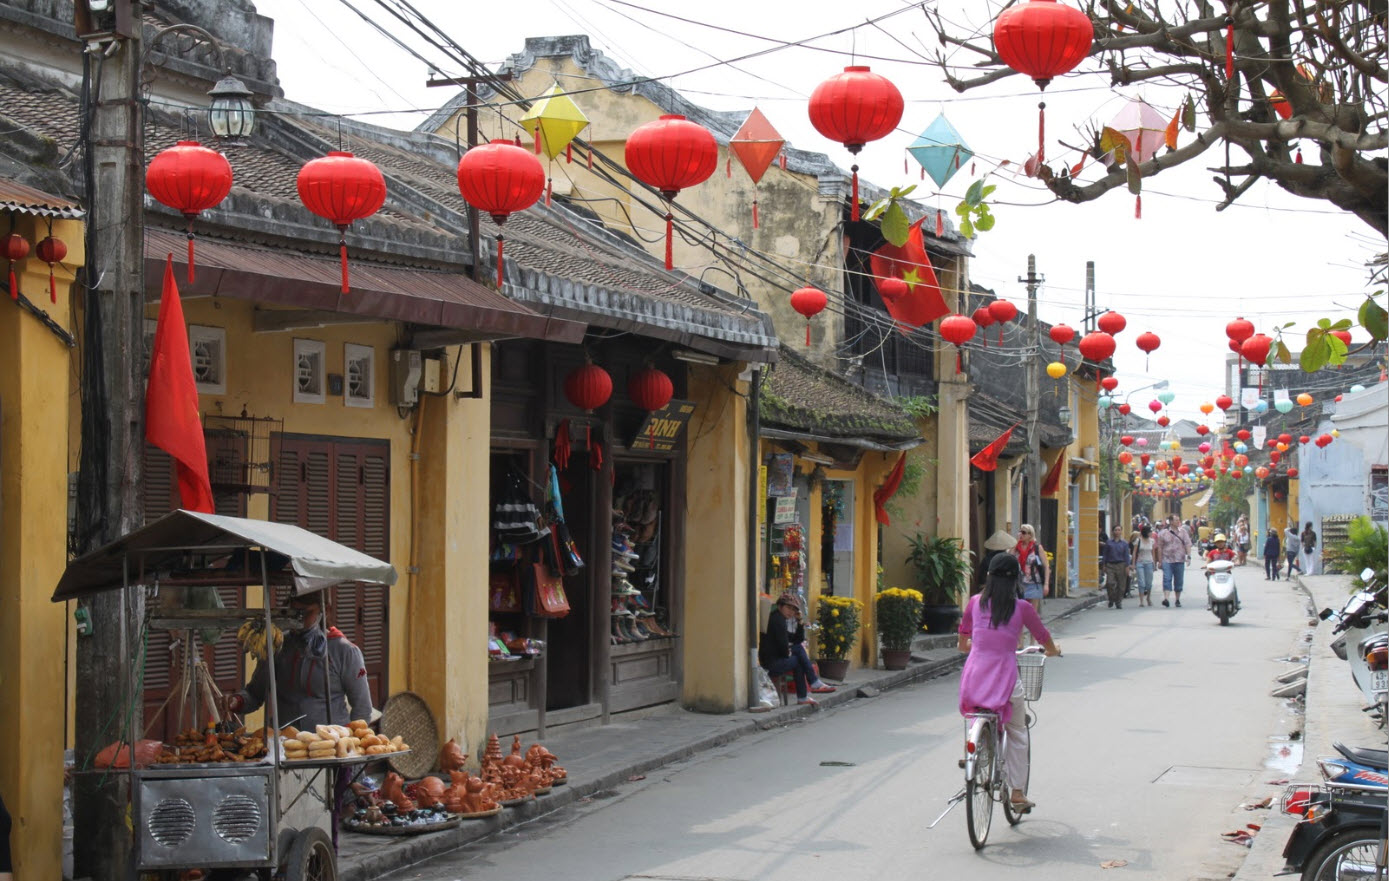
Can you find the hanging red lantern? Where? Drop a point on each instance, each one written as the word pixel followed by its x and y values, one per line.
pixel 651 390
pixel 1285 438
pixel 1224 402
pixel 500 178
pixel 1109 383
pixel 810 302
pixel 1155 405
pixel 1236 473
pixel 190 179
pixel 1042 39
pixel 1126 440
pixel 1184 469
pixel 1125 409
pixel 1164 421
pixel 1125 457
pixel 342 188
pixel 1203 430
pixel 1061 334
pixel 1002 311
pixel 984 319
pixel 1325 440
pixel 16 248
pixel 1112 323
pixel 1143 458
pixel 1148 343
pixel 1240 460
pixel 1255 349
pixel 1239 330
pixel 588 387
pixel 1274 456
pixel 1304 439
pixel 51 251
pixel 1097 345
pixel 1292 473
pixel 671 154
pixel 957 329
pixel 1243 434
pixel 853 108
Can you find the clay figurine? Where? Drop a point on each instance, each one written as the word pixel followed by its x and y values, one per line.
pixel 451 757
pixel 395 792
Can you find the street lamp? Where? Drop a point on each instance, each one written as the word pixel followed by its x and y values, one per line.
pixel 231 115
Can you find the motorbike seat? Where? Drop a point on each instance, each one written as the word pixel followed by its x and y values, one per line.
pixel 1374 758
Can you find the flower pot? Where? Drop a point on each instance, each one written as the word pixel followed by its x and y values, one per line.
pixel 831 668
pixel 941 619
pixel 896 659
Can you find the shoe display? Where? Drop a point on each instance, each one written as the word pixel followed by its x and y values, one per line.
pixel 622 567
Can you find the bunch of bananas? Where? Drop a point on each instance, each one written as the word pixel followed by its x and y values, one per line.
pixel 251 638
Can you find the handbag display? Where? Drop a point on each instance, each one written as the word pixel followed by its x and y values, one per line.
pixel 547 599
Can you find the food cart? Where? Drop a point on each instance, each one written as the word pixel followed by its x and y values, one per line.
pixel 271 815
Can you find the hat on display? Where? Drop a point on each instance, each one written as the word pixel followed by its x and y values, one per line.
pixel 1000 541
pixel 1004 566
pixel 788 598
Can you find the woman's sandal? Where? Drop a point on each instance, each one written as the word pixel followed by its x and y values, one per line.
pixel 1023 806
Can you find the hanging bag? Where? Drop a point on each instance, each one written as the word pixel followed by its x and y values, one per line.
pixel 545 597
pixel 567 556
pixel 504 590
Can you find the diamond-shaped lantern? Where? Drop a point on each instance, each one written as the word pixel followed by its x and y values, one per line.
pixel 940 150
pixel 756 144
pixel 556 121
pixel 1145 129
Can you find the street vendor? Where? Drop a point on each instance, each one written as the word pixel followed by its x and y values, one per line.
pixel 299 674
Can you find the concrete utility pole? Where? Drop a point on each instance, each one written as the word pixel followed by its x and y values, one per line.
pixel 1032 382
pixel 108 703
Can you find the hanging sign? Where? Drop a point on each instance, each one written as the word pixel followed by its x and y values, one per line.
pixel 661 430
pixel 781 469
pixel 1249 397
pixel 761 494
pixel 1260 436
pixel 785 509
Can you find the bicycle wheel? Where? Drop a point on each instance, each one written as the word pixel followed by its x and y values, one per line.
pixel 1347 855
pixel 979 788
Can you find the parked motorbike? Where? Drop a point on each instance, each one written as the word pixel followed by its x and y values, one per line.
pixel 1221 596
pixel 1343 820
pixel 1363 625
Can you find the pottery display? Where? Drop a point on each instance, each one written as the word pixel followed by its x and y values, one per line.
pixel 427 792
pixel 451 757
pixel 394 792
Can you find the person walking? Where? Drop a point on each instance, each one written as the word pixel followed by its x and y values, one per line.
pixel 1273 555
pixel 1174 549
pixel 1116 557
pixel 1242 541
pixel 1145 558
pixel 1309 548
pixel 1292 544
pixel 1032 561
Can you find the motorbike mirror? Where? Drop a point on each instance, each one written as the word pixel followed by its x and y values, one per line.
pixel 1366 575
pixel 1326 613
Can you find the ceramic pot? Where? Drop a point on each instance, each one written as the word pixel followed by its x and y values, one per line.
pixel 833 669
pixel 940 619
pixel 896 659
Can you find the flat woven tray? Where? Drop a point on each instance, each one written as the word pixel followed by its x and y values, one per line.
pixel 480 814
pixel 408 715
pixel 353 826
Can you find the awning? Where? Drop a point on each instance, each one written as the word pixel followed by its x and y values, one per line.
pixel 15 196
pixel 314 281
pixel 1205 498
pixel 314 562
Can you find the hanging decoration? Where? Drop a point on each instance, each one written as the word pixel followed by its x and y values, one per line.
pixel 1203 430
pixel 756 144
pixel 1056 369
pixel 588 387
pixel 1097 345
pixel 1224 402
pixel 1109 383
pixel 52 250
pixel 1061 334
pixel 1206 407
pixel 500 179
pixel 190 179
pixel 1125 409
pixel 1042 39
pixel 671 154
pixel 1112 323
pixel 1155 406
pixel 957 329
pixel 1255 349
pixel 1126 440
pixel 16 248
pixel 556 121
pixel 1292 473
pixel 985 319
pixel 853 108
pixel 1148 343
pixel 940 151
pixel 1304 400
pixel 651 390
pixel 922 303
pixel 809 302
pixel 341 188
pixel 1145 131
pixel 1002 312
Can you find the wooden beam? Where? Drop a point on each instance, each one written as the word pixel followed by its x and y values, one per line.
pixel 439 338
pixel 277 320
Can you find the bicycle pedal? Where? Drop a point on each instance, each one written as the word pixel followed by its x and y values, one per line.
pixel 962 763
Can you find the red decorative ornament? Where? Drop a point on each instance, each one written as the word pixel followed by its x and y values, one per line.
pixel 588 387
pixel 1097 345
pixel 1240 460
pixel 1285 438
pixel 1239 330
pixel 1125 457
pixel 984 319
pixel 52 250
pixel 671 154
pixel 1325 440
pixel 1125 409
pixel 853 108
pixel 1243 434
pixel 1224 402
pixel 1061 334
pixel 190 179
pixel 811 301
pixel 16 248
pixel 651 390
pixel 1112 323
pixel 1148 343
pixel 342 188
pixel 957 329
pixel 1155 405
pixel 1002 311
pixel 1164 421
pixel 1109 383
pixel 501 179
pixel 1203 430
pixel 1255 349
pixel 1292 472
pixel 1304 439
pixel 1126 440
pixel 1236 473
pixel 1143 458
pixel 1042 39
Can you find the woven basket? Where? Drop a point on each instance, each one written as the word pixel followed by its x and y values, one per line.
pixel 1030 668
pixel 408 715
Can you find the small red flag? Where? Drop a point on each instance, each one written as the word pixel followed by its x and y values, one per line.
pixel 987 458
pixel 171 401
pixel 1053 479
pixel 882 494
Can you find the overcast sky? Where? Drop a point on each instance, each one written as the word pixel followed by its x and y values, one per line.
pixel 1182 271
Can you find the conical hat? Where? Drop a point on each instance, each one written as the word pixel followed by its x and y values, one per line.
pixel 1000 541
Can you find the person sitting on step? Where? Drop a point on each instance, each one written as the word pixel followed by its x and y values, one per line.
pixel 782 649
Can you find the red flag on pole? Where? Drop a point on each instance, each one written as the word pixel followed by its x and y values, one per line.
pixel 923 302
pixel 171 401
pixel 1053 480
pixel 987 458
pixel 888 490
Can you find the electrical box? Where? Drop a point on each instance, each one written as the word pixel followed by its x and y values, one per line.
pixel 406 369
pixel 432 371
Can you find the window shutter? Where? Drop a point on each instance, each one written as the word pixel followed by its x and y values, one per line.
pixel 347 500
pixel 159 492
pixel 376 506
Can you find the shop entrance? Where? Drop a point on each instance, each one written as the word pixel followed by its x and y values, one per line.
pixel 569 647
pixel 837 537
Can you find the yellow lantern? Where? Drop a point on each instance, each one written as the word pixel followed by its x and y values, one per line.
pixel 1056 370
pixel 1335 432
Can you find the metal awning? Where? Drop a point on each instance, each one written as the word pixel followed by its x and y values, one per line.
pixel 314 282
pixel 314 562
pixel 15 196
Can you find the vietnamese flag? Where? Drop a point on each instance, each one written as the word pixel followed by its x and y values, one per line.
pixel 889 489
pixel 987 458
pixel 171 401
pixel 1053 479
pixel 923 302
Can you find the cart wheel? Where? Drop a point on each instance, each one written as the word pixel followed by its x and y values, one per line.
pixel 311 857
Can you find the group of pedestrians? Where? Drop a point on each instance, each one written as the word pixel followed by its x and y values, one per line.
pixel 1298 550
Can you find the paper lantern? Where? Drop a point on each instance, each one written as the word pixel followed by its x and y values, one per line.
pixel 1056 370
pixel 1355 389
pixel 1203 430
pixel 1224 402
pixel 1109 383
pixel 1125 457
pixel 1097 345
pixel 1104 401
pixel 1112 323
pixel 1292 473
pixel 1206 407
pixel 984 319
pixel 1148 342
pixel 1164 421
pixel 1155 405
pixel 1142 442
pixel 1042 39
pixel 853 108
pixel 756 144
pixel 809 302
pixel 1002 312
pixel 1125 409
pixel 1324 440
pixel 190 179
pixel 1204 447
pixel 1283 405
pixel 1304 439
pixel 1126 440
pixel 1304 400
pixel 500 179
pixel 1255 349
pixel 1240 460
pixel 671 154
pixel 51 251
pixel 1166 397
pixel 16 247
pixel 1236 474
pixel 1061 334
pixel 1243 434
pixel 1239 330
pixel 342 188
pixel 650 389
pixel 1285 438
pixel 940 150
pixel 957 329
pixel 588 387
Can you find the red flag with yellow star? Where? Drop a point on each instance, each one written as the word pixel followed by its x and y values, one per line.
pixel 172 422
pixel 922 303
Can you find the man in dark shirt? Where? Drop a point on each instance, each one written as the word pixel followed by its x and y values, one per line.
pixel 1115 556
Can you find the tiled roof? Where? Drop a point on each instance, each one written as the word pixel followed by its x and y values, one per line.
pixel 799 396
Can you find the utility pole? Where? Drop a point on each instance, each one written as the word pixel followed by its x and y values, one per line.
pixel 108 705
pixel 1090 313
pixel 1032 382
pixel 470 84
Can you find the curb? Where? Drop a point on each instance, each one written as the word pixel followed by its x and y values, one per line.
pixel 397 853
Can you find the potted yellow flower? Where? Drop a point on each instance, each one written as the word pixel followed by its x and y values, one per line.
pixel 839 619
pixel 898 614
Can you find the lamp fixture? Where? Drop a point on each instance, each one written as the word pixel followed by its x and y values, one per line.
pixel 231 115
pixel 690 356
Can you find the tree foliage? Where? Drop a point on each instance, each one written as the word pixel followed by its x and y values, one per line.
pixel 1229 500
pixel 1322 62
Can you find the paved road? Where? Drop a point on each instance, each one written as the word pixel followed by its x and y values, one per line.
pixel 1153 729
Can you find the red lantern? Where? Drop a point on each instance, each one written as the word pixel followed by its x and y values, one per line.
pixel 1097 345
pixel 1274 456
pixel 1325 440
pixel 1164 421
pixel 1292 472
pixel 853 108
pixel 1125 457
pixel 810 302
pixel 1112 323
pixel 671 154
pixel 1203 430
pixel 1143 458
pixel 1002 311
pixel 1304 439
pixel 588 387
pixel 16 248
pixel 1155 405
pixel 1125 409
pixel 1243 434
pixel 651 390
pixel 1148 343
pixel 1239 330
pixel 1343 336
pixel 1184 469
pixel 52 250
pixel 984 319
pixel 1061 334
pixel 957 329
pixel 190 179
pixel 342 188
pixel 1042 39
pixel 1110 383
pixel 1255 349
pixel 501 179
pixel 1224 402
pixel 1126 440
pixel 1240 460
pixel 1236 474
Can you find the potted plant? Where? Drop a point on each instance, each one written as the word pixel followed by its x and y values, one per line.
pixel 943 568
pixel 839 619
pixel 898 615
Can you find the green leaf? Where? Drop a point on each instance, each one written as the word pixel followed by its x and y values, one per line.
pixel 896 226
pixel 975 194
pixel 1289 324
pixel 876 209
pixel 962 209
pixel 1324 323
pixel 1135 178
pixel 1281 350
pixel 1343 324
pixel 1374 319
pixel 966 228
pixel 905 191
pixel 987 192
pixel 1314 355
pixel 1189 114
pixel 985 222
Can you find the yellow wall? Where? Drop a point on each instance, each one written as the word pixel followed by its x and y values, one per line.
pixel 35 425
pixel 1088 517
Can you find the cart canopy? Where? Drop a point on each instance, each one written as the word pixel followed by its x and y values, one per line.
pixel 314 562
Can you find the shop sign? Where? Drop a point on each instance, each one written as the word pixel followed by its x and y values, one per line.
pixel 785 509
pixel 781 471
pixel 761 494
pixel 661 429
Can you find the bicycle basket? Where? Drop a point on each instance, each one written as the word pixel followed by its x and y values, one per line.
pixel 1030 674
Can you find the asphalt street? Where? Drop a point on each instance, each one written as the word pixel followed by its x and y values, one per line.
pixel 1154 728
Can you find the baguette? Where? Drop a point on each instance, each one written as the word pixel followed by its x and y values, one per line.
pixel 290 731
pixel 308 737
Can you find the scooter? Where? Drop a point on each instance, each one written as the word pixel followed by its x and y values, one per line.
pixel 1364 643
pixel 1221 596
pixel 1343 821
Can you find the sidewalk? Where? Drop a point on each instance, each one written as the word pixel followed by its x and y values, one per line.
pixel 602 758
pixel 1332 711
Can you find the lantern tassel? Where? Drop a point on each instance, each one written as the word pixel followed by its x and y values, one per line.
pixel 191 270
pixel 1041 131
pixel 500 269
pixel 782 161
pixel 537 140
pixel 1229 48
pixel 14 285
pixel 958 362
pixel 853 198
pixel 549 186
pixel 670 244
pixel 590 158
pixel 568 154
pixel 1298 160
pixel 342 256
pixel 754 214
pixel 940 224
pixel 807 333
pixel 52 286
pixel 1138 207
